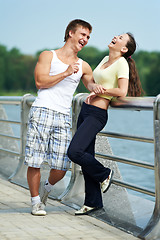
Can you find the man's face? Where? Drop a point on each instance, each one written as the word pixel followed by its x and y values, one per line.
pixel 80 37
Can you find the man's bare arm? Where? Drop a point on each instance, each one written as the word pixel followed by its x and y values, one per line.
pixel 88 80
pixel 42 69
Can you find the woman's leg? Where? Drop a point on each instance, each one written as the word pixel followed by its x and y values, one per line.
pixel 93 195
pixel 93 123
pixel 82 152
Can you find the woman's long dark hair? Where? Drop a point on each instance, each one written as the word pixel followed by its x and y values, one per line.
pixel 134 88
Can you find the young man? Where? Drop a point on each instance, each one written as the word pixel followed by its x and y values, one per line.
pixel 57 75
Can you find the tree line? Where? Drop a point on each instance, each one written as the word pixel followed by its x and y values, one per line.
pixel 17 69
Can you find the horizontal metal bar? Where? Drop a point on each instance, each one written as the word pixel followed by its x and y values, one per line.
pixel 10 121
pixel 133 103
pixel 134 187
pixel 126 161
pixel 127 137
pixel 8 136
pixel 10 103
pixel 10 100
pixel 9 151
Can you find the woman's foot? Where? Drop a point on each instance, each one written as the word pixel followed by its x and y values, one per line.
pixel 85 210
pixel 107 182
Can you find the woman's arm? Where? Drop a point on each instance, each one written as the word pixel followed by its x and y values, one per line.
pixel 88 81
pixel 120 91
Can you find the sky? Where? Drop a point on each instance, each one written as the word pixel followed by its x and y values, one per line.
pixel 35 25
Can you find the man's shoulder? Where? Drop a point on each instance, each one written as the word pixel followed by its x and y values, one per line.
pixel 46 55
pixel 85 64
pixel 86 68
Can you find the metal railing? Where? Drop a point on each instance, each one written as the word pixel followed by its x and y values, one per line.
pixel 11 101
pixel 151 231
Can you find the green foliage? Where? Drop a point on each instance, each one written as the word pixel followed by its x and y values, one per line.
pixel 17 69
pixel 3 69
pixel 18 92
pixel 149 71
pixel 93 56
pixel 153 76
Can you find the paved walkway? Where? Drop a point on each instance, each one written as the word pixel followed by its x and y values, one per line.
pixel 60 223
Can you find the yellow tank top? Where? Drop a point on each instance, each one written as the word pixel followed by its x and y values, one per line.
pixel 109 76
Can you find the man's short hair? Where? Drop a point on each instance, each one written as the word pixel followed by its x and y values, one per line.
pixel 73 26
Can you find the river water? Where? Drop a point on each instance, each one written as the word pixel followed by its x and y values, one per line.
pixel 139 123
pixel 128 122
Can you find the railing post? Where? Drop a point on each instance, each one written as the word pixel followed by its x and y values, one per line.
pixel 24 119
pixel 152 231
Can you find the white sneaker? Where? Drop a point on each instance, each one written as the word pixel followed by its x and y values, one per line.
pixel 38 210
pixel 44 195
pixel 107 182
pixel 85 210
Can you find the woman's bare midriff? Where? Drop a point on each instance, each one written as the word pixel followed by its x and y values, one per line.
pixel 100 102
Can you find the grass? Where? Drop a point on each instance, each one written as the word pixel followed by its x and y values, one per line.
pixel 16 93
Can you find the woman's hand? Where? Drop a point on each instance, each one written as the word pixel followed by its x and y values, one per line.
pixel 90 97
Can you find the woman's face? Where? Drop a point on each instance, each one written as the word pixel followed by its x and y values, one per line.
pixel 119 42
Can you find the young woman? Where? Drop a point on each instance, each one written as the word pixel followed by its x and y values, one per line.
pixel 115 75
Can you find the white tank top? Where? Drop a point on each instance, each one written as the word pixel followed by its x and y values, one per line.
pixel 59 97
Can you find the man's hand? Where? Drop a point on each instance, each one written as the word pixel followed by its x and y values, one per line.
pixel 73 68
pixel 98 89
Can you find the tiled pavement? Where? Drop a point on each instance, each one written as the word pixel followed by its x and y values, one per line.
pixel 60 223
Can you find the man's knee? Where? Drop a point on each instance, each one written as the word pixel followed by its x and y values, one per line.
pixel 56 175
